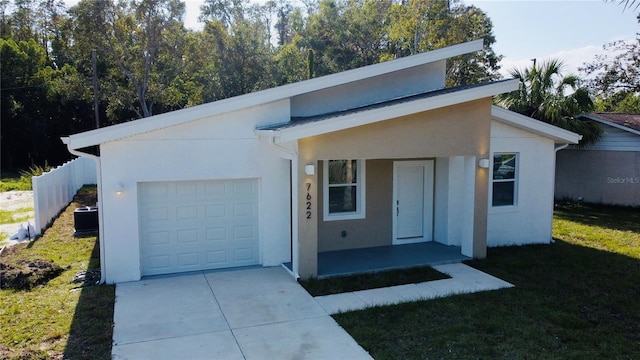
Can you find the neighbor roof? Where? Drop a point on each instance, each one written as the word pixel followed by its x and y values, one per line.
pixel 627 122
pixel 124 130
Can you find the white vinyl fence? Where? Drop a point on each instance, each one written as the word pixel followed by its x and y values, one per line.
pixel 54 190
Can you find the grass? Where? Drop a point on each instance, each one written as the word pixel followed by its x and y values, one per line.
pixel 11 181
pixel 57 319
pixel 14 216
pixel 22 180
pixel 340 284
pixel 575 299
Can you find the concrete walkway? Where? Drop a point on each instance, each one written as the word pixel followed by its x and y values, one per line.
pixel 255 314
pixel 464 280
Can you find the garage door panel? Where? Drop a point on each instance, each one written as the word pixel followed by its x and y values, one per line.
pixel 186 226
pixel 243 254
pixel 187 212
pixel 158 213
pixel 159 263
pixel 187 236
pixel 185 190
pixel 216 211
pixel 216 234
pixel 216 258
pixel 188 259
pixel 215 189
pixel 156 191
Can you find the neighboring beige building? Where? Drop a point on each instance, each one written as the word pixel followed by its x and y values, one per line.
pixel 607 172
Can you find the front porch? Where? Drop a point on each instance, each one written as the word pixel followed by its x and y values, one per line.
pixel 380 258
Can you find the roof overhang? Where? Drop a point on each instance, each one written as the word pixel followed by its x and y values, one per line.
pixel 124 130
pixel 609 123
pixel 559 135
pixel 378 114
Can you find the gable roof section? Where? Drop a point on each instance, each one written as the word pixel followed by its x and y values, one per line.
pixel 300 128
pixel 132 128
pixel 626 122
pixel 542 128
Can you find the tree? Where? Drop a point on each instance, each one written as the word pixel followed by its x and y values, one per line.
pixel 242 52
pixel 546 95
pixel 417 26
pixel 615 76
pixel 134 35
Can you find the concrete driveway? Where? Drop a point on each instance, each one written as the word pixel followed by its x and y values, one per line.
pixel 260 313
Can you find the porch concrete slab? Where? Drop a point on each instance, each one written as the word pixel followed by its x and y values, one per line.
pixel 352 261
pixel 261 296
pixel 316 338
pixel 215 345
pixel 165 308
pixel 338 303
pixel 464 279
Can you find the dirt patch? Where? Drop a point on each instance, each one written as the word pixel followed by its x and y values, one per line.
pixel 26 274
pixel 12 200
pixel 28 354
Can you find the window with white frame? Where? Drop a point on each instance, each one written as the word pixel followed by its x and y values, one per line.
pixel 504 179
pixel 343 189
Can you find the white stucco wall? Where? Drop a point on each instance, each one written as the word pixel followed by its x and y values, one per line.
pixel 224 147
pixel 410 81
pixel 530 220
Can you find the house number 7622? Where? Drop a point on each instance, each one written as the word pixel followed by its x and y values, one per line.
pixel 308 186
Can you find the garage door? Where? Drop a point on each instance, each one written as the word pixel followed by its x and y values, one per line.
pixel 198 225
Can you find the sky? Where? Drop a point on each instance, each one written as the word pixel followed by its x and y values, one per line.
pixel 572 31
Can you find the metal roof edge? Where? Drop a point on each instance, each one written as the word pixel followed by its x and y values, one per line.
pixel 393 111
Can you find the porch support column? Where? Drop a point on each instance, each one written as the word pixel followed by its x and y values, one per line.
pixel 481 198
pixel 307 217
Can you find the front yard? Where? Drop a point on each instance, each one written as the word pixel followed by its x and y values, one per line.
pixel 577 298
pixel 55 318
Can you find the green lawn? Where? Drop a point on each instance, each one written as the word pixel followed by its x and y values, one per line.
pixel 56 320
pixel 576 299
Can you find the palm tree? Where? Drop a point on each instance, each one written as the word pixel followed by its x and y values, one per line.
pixel 546 95
pixel 627 3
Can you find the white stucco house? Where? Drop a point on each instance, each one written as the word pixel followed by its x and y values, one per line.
pixel 606 172
pixel 382 155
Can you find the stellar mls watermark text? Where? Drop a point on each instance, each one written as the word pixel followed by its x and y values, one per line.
pixel 623 180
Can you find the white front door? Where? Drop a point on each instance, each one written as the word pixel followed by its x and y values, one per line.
pixel 412 201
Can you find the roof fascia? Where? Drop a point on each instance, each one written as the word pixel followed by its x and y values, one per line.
pixel 509 117
pixel 388 112
pixel 610 123
pixel 120 131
